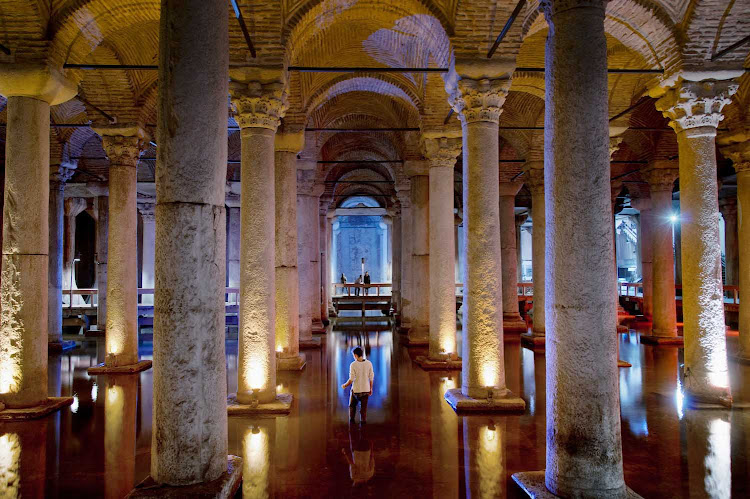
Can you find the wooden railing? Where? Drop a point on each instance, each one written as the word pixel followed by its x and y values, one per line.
pixel 362 287
pixel 632 289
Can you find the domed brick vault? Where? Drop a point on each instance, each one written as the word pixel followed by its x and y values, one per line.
pixel 662 86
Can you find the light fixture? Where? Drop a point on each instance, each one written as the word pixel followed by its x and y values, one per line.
pixel 673 218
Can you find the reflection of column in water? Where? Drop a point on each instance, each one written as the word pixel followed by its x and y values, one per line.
pixel 484 456
pixel 709 451
pixel 22 459
pixel 287 429
pixel 444 428
pixel 540 406
pixel 256 460
pixel 662 379
pixel 120 403
pixel 54 389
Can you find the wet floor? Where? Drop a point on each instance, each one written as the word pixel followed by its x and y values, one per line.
pixel 414 445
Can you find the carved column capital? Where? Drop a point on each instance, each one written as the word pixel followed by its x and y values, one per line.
pixel 641 204
pixel 147 211
pixel 661 179
pixel 123 143
pixel 534 178
pixel 694 104
pixel 260 104
pixel 739 153
pixel 74 206
pixel 479 99
pixel 728 208
pixel 59 175
pixel 441 150
pixel 289 141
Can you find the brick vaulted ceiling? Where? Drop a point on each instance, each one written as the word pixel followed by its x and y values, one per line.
pixel 663 34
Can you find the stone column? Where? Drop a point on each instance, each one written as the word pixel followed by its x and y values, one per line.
pixel 189 442
pixel 728 209
pixel 643 205
pixel 314 276
pixel 148 216
pixel 694 110
pixel 123 145
pixel 287 146
pixel 331 277
pixel 520 220
pixel 101 203
pixel 740 156
pixel 405 305
pixel 260 101
pixel 73 208
pixel 30 90
pixel 233 243
pixel 664 323
pixel 512 321
pixel 535 182
pixel 58 176
pixel 417 171
pixel 325 284
pixel 308 201
pixel 584 450
pixel 396 259
pixel 441 151
pixel 478 102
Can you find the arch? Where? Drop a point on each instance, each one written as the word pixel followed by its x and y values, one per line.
pixel 387 85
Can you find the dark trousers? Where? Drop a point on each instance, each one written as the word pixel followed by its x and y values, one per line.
pixel 358 398
pixel 356 291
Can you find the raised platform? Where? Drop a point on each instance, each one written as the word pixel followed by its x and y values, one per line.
pixel 225 486
pixel 38 411
pixel 129 369
pixel 461 403
pixel 290 363
pixel 514 324
pixel 662 340
pixel 438 365
pixel 61 346
pixel 282 405
pixel 622 363
pixel 532 482
pixel 311 343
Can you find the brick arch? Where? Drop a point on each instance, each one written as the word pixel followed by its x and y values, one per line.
pixel 394 86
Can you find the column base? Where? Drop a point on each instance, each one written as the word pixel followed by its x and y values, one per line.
pixel 51 405
pixel 651 339
pixel 429 364
pixel 740 358
pixel 622 329
pixel 290 363
pixel 532 482
pixel 281 405
pixel 129 369
pixel 225 486
pixel 309 343
pixel 318 327
pixel 514 324
pixel 414 341
pixel 61 346
pixel 622 363
pixel 533 341
pixel 461 403
pixel 716 399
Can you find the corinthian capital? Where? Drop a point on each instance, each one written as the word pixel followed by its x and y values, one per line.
pixel 739 153
pixel 260 103
pixel 661 177
pixel 60 174
pixel 479 99
pixel 123 143
pixel 693 104
pixel 441 149
pixel 534 178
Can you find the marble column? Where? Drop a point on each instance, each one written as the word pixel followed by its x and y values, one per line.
pixel 728 209
pixel 260 101
pixel 584 450
pixel 405 305
pixel 478 100
pixel 740 156
pixel 58 176
pixel 101 203
pixel 308 206
pixel 694 110
pixel 520 220
pixel 325 284
pixel 233 243
pixel 331 278
pixel 534 180
pixel 73 208
pixel 664 323
pixel 123 145
pixel 441 151
pixel 148 217
pixel 512 320
pixel 417 171
pixel 647 223
pixel 189 441
pixel 25 264
pixel 287 146
pixel 396 259
pixel 313 219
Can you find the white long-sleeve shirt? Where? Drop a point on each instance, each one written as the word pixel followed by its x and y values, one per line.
pixel 361 374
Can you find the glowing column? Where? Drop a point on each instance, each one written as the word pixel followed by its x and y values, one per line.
pixel 259 99
pixel 740 156
pixel 405 306
pixel 120 406
pixel 417 171
pixel 643 205
pixel 484 456
pixel 287 146
pixel 478 102
pixel 58 176
pixel 664 323
pixel 123 145
pixel 584 452
pixel 189 442
pixel 148 216
pixel 441 152
pixel 694 110
pixel 325 285
pixel 101 209
pixel 396 259
pixel 25 264
pixel 534 180
pixel 512 320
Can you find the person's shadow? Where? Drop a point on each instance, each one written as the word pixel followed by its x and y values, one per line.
pixel 362 458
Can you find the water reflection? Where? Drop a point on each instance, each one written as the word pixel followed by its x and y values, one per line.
pixel 120 404
pixel 444 429
pixel 709 453
pixel 360 456
pixel 256 464
pixel 23 455
pixel 484 456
